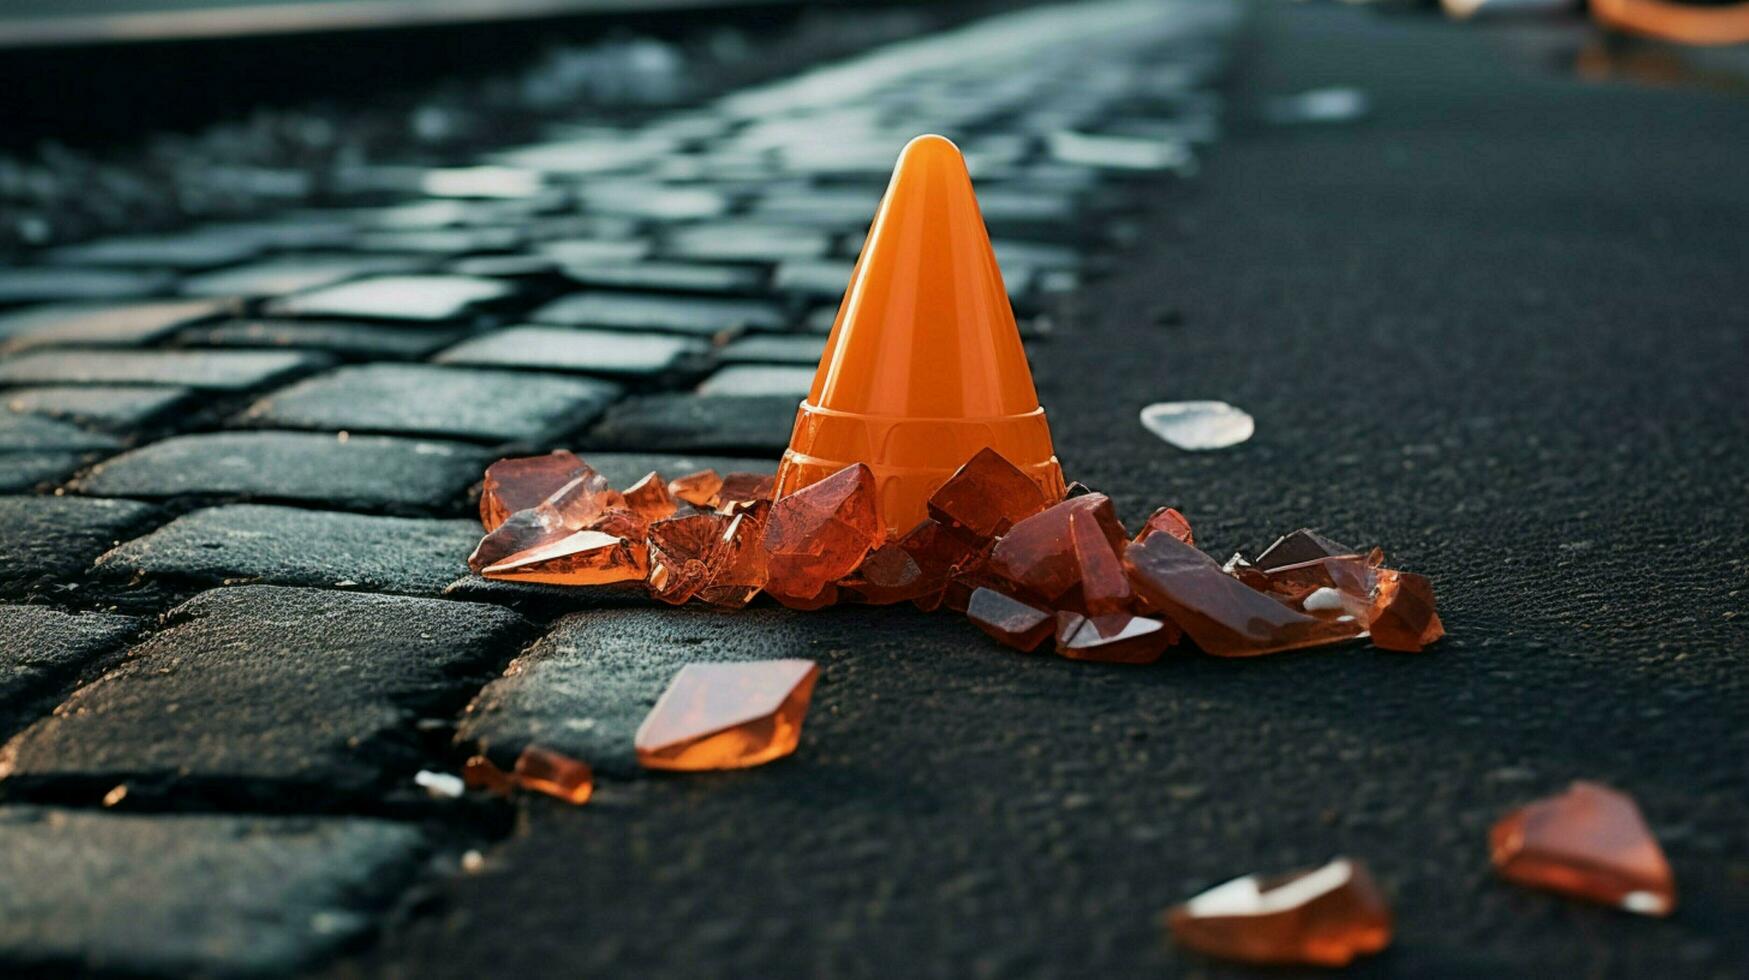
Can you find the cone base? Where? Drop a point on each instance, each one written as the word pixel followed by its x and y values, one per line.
pixel 902 492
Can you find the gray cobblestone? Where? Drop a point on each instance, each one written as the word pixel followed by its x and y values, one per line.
pixel 121 409
pixel 219 370
pixel 698 423
pixel 45 649
pixel 59 537
pixel 289 699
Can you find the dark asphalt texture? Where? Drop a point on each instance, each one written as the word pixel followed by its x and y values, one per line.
pixel 1497 328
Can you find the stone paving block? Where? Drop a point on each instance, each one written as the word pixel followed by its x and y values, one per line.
pixel 45 649
pixel 115 409
pixel 682 423
pixel 769 348
pixel 442 242
pixel 504 266
pixel 186 251
pixel 418 399
pixel 742 241
pixel 284 699
pixel 357 473
pixel 607 352
pixel 679 277
pixel 376 341
pixel 294 546
pixel 106 325
pixel 595 251
pixel 295 273
pixel 217 370
pixel 824 279
pixel 35 285
pixel 584 688
pixel 651 311
pixel 180 895
pixel 656 201
pixel 742 380
pixel 38 433
pixel 59 537
pixel 20 472
pixel 415 298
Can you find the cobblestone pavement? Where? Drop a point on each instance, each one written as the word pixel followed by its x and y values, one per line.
pixel 240 462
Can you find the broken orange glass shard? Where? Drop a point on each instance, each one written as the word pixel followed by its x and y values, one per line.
pixel 1321 917
pixel 727 715
pixel 1589 842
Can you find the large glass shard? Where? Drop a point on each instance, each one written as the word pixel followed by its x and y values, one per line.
pixel 1590 842
pixel 915 567
pixel 1104 588
pixel 727 715
pixel 649 499
pixel 1198 425
pixel 1403 617
pixel 820 533
pixel 698 489
pixel 523 482
pixel 1037 555
pixel 1222 615
pixel 1328 588
pixel 1009 620
pixel 572 507
pixel 545 771
pixel 738 572
pixel 583 558
pixel 1322 917
pixel 744 488
pixel 986 497
pixel 1118 638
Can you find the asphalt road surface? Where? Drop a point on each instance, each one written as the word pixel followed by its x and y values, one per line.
pixel 1496 327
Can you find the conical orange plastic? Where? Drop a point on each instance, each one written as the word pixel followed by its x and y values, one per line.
pixel 924 367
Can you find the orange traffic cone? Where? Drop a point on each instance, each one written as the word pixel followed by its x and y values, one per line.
pixel 924 366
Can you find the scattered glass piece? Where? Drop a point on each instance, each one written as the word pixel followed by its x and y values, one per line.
pixel 1403 617
pixel 441 785
pixel 1300 546
pixel 684 551
pixel 1591 843
pixel 1037 555
pixel 583 558
pixel 1323 917
pixel 1169 521
pixel 1221 614
pixel 480 773
pixel 1198 425
pixel 727 715
pixel 1009 620
pixel 698 489
pixel 572 507
pixel 545 771
pixel 986 497
pixel 1117 638
pixel 820 533
pixel 523 482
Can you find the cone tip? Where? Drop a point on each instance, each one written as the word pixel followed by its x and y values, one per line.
pixel 930 146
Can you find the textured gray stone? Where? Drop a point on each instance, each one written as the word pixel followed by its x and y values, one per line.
pixel 584 688
pixel 122 409
pixel 177 895
pixel 291 546
pixel 607 352
pixel 791 381
pixel 678 277
pixel 222 370
pixel 31 470
pixel 45 649
pixel 340 337
pixel 59 537
pixel 416 298
pixel 32 285
pixel 678 423
pixel 418 399
pixel 653 311
pixel 39 433
pixel 266 697
pixel 201 249
pixel 101 325
pixel 768 348
pixel 292 273
pixel 359 472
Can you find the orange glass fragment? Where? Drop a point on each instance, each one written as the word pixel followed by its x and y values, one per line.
pixel 545 771
pixel 572 507
pixel 1009 620
pixel 1166 520
pixel 727 715
pixel 684 551
pixel 583 558
pixel 698 489
pixel 1037 555
pixel 523 482
pixel 1403 617
pixel 649 499
pixel 739 571
pixel 1300 546
pixel 1221 614
pixel 480 773
pixel 924 366
pixel 1118 638
pixel 745 488
pixel 1323 917
pixel 1327 588
pixel 1590 842
pixel 820 533
pixel 915 567
pixel 1104 589
pixel 986 497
